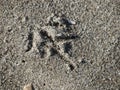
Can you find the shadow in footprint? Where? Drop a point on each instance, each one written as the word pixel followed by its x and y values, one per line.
pixel 53 51
pixel 67 47
pixel 30 39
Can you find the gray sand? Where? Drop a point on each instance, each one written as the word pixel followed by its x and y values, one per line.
pixel 54 55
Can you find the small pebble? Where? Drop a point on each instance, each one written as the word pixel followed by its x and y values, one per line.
pixel 28 87
pixel 24 19
pixel 71 22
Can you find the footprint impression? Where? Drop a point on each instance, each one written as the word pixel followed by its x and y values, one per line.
pixel 54 38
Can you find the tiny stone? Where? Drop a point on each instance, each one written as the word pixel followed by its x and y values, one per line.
pixel 71 22
pixel 79 60
pixel 67 66
pixel 70 67
pixel 24 19
pixel 118 73
pixel 28 87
